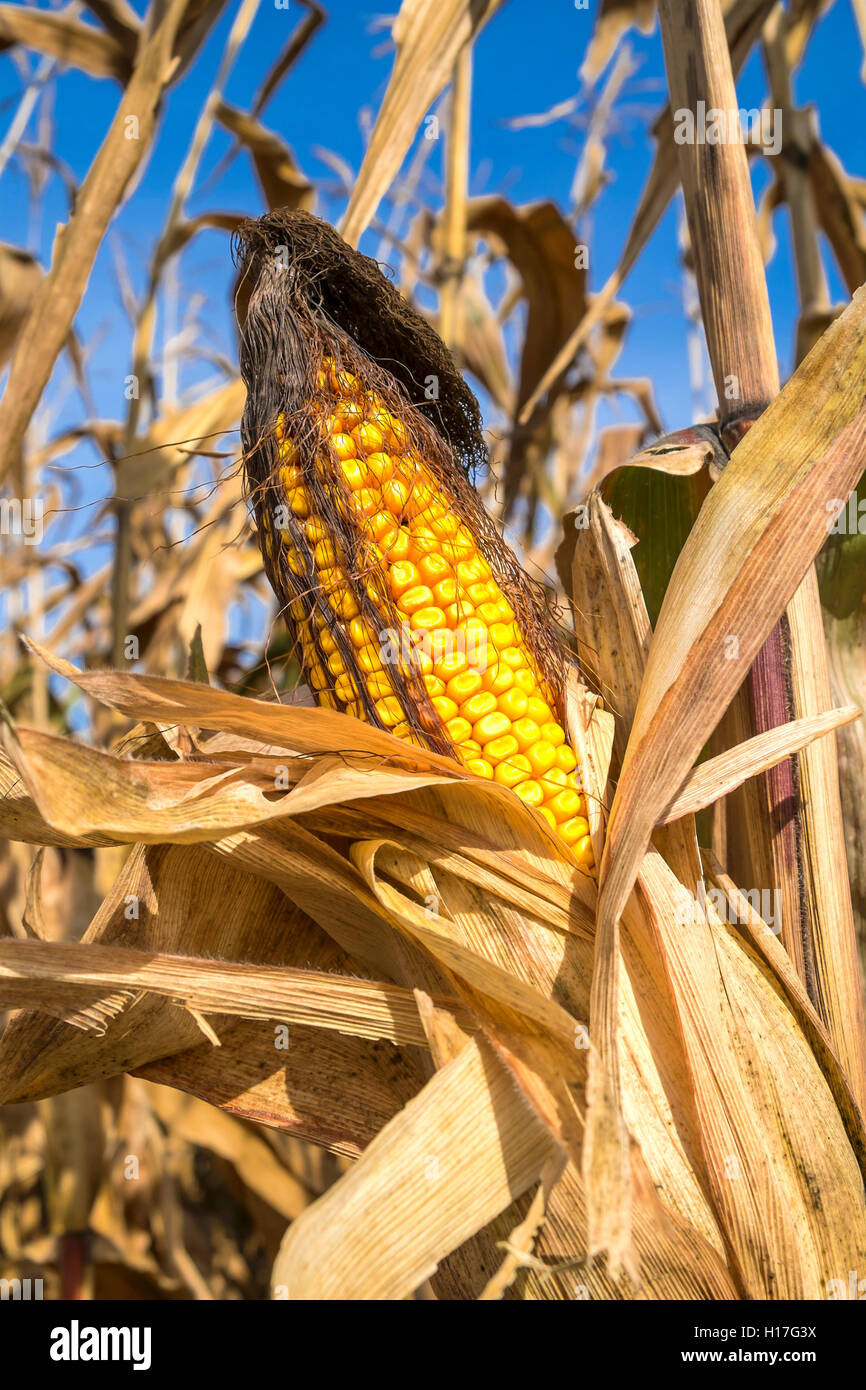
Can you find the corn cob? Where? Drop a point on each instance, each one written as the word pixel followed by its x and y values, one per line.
pixel 418 558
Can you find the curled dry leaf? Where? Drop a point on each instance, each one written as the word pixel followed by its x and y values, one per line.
pixel 451 889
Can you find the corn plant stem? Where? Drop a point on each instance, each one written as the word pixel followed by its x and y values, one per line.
pixel 658 191
pixel 736 315
pixel 144 328
pixel 816 903
pixel 456 182
pixel 811 275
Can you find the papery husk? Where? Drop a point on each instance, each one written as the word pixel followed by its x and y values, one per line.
pixel 485 907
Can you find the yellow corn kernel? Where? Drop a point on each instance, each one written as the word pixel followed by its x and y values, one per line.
pixel 381 524
pixel 393 429
pixel 324 555
pixel 565 758
pixel 470 749
pixel 351 414
pixel 445 708
pixel 434 568
pixel 526 680
pixel 513 703
pixel 542 755
pixel 455 551
pixel 425 505
pixel 342 381
pixel 435 685
pixel 565 805
pixel 395 495
pixel 410 600
pixel 344 605
pixel 572 830
pixel 445 592
pixel 548 816
pixel 527 732
pixel 472 571
pixel 380 467
pixel 445 526
pixel 495 611
pixel 423 542
pixel 491 727
pixel 368 438
pixel 447 664
pixel 291 475
pixel 344 447
pixel 378 685
pixel 503 635
pixel 513 769
pixel 481 767
pixel 390 711
pixel 478 649
pixel 458 729
pixel 553 734
pixel 530 792
pixel 427 619
pixel 479 706
pixel 359 633
pixel 554 781
pixel 402 576
pixel 537 709
pixel 498 679
pixel 366 501
pixel 354 473
pixel 480 593
pixel 464 686
pixel 457 613
pixel 583 852
pixel 370 659
pixel 345 688
pixel 398 544
pixel 298 500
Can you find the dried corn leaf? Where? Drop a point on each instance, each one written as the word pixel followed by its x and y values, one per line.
pixel 360 1008
pixel 428 35
pixel 771 490
pixel 454 1157
pixel 281 180
pixel 56 303
pixel 614 18
pixel 66 38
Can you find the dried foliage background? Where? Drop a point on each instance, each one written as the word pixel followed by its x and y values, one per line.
pixel 215 1184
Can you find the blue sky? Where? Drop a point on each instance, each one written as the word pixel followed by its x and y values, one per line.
pixel 526 60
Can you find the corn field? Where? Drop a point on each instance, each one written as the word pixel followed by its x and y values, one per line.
pixel 431 782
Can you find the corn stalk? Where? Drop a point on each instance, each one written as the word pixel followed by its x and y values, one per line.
pixel 797 803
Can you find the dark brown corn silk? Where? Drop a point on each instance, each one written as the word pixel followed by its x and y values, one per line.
pixel 318 321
